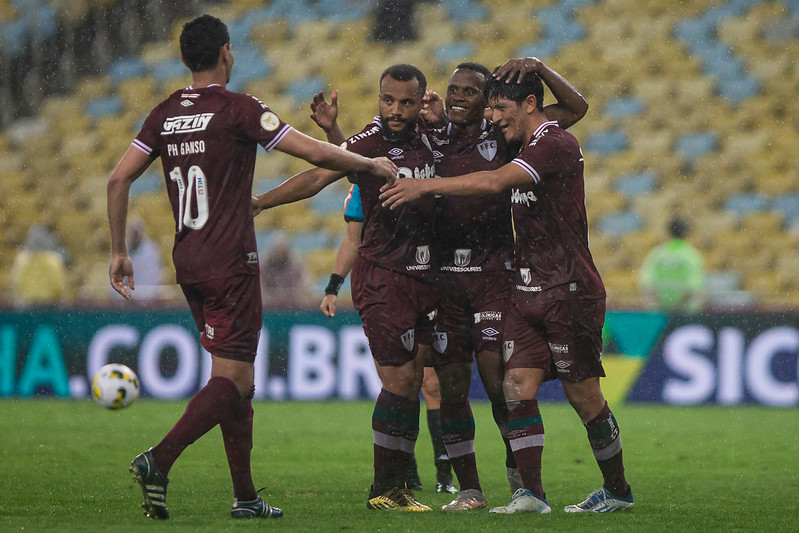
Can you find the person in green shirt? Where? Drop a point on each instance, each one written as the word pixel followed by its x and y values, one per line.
pixel 672 275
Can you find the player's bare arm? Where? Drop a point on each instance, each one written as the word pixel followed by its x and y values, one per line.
pixel 298 187
pixel 325 114
pixel 129 168
pixel 345 257
pixel 571 106
pixel 331 157
pixel 407 190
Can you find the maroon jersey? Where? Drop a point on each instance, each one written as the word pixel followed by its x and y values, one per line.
pixel 552 257
pixel 473 233
pixel 399 239
pixel 207 139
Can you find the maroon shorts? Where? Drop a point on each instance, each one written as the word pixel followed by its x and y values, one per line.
pixel 398 311
pixel 562 337
pixel 228 313
pixel 471 316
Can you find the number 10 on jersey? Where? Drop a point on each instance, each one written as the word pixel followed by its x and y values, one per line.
pixel 193 192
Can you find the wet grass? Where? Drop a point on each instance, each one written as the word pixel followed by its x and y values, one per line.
pixel 64 467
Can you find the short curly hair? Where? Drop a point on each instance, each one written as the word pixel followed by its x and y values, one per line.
pixel 200 41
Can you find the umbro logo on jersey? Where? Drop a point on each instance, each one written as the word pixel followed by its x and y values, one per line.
pixel 186 123
pixel 490 332
pixel 395 152
pixel 438 155
pixel 186 103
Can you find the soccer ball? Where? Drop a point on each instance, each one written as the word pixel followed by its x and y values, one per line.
pixel 115 386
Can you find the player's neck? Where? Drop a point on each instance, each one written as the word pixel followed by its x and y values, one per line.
pixel 465 130
pixel 207 78
pixel 536 119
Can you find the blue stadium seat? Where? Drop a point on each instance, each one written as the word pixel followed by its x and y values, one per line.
pixel 127 67
pixel 102 106
pixel 747 202
pixel 617 224
pixel 150 181
pixel 739 89
pixel 250 64
pixel 464 10
pixel 329 200
pixel 310 240
pixel 636 183
pixel 455 51
pixel 607 142
pixel 624 106
pixel 302 90
pixel 692 146
pixel 788 205
pixel 168 69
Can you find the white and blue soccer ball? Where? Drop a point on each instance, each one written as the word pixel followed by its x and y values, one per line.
pixel 115 386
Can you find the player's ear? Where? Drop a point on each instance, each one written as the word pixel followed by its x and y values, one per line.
pixel 530 103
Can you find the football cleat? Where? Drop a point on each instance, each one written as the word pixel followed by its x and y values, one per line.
pixel 254 509
pixel 523 501
pixel 153 485
pixel 396 499
pixel 602 501
pixel 514 479
pixel 448 487
pixel 467 500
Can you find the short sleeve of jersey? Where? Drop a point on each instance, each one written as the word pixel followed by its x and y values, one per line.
pixel 542 157
pixel 261 123
pixel 147 139
pixel 353 209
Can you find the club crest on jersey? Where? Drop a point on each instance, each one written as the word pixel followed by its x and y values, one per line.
pixel 463 256
pixel 423 254
pixel 526 277
pixel 186 123
pixel 407 339
pixel 440 341
pixel 507 350
pixel 488 149
pixel 269 121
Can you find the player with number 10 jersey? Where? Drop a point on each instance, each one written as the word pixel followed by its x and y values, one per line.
pixel 207 140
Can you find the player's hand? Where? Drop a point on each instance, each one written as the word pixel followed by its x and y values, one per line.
pixel 399 193
pixel 121 268
pixel 325 113
pixel 328 305
pixel 385 168
pixel 517 68
pixel 433 112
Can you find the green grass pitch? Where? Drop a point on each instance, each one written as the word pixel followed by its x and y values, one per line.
pixel 64 467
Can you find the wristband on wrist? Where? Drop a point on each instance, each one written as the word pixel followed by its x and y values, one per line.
pixel 334 284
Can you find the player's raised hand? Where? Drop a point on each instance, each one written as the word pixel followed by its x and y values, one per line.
pixel 385 168
pixel 517 68
pixel 328 305
pixel 121 268
pixel 325 113
pixel 399 193
pixel 433 112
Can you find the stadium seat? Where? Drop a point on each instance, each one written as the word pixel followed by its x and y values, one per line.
pixel 620 223
pixel 607 142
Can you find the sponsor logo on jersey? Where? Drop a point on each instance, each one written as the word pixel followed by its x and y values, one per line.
pixel 186 123
pixel 431 316
pixel 458 270
pixel 209 331
pixel 407 339
pixel 423 254
pixel 490 334
pixel 429 171
pixel 488 149
pixel 558 348
pixel 525 274
pixel 252 258
pixel 186 103
pixel 518 197
pixel 487 315
pixel 463 256
pixel 269 121
pixel 440 341
pixel 396 152
pixel 364 134
pixel 190 95
pixel 573 286
pixel 507 350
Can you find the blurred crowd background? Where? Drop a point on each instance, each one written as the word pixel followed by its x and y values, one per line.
pixel 692 116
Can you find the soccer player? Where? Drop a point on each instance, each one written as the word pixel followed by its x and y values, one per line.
pixel 345 257
pixel 207 137
pixel 392 290
pixel 554 329
pixel 474 243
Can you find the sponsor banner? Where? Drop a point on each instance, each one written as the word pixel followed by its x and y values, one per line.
pixel 726 359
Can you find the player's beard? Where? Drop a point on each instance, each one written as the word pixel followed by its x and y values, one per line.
pixel 400 136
